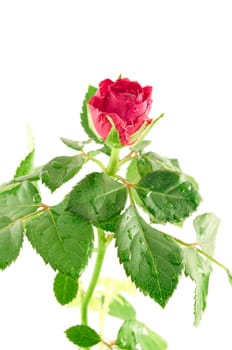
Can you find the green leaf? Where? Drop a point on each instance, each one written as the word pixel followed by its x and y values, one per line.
pixel 141 145
pixel 110 224
pixel 85 120
pixel 18 200
pixel 105 149
pixel 152 259
pixel 64 240
pixel 76 145
pixel 166 197
pixel 61 169
pixel 11 239
pixel 34 176
pixel 83 336
pixel 206 227
pixel 133 333
pixel 121 308
pixel 151 161
pixel 229 274
pixel 133 174
pixel 198 269
pixel 65 288
pixel 152 341
pixel 98 198
pixel 26 166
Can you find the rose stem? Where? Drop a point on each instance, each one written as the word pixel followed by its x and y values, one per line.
pixel 114 161
pixel 102 245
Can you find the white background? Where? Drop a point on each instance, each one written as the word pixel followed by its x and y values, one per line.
pixel 49 52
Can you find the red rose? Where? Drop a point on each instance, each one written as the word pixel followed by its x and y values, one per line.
pixel 125 103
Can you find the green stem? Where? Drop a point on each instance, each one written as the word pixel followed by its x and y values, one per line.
pixel 130 156
pixel 98 162
pixel 114 162
pixel 132 201
pixel 102 245
pixel 202 252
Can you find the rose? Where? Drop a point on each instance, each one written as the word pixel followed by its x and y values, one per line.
pixel 124 104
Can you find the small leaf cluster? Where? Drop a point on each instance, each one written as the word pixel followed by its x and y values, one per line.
pixel 127 202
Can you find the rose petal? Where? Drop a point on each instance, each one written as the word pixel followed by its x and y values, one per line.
pixel 126 103
pixel 100 122
pixel 147 92
pixel 104 87
pixel 136 110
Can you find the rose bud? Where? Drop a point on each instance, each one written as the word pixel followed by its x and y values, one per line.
pixel 123 105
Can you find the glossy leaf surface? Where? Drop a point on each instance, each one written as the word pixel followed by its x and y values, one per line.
pixel 98 198
pixel 61 169
pixel 166 197
pixel 152 259
pixel 136 335
pixel 11 239
pixel 65 288
pixel 64 240
pixel 83 336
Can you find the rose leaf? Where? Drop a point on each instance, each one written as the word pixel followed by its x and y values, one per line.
pixel 166 197
pixel 98 198
pixel 152 259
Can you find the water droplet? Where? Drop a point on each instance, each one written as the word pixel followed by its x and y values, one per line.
pixel 125 255
pixel 45 176
pixel 57 165
pixel 174 259
pixel 174 278
pixel 123 342
pixel 36 198
pixel 130 235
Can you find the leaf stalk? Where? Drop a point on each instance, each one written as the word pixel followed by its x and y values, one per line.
pixel 202 252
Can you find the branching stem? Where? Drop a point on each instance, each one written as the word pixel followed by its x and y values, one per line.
pixel 127 158
pixel 98 162
pixel 202 252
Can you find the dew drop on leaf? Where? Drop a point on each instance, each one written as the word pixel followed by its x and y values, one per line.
pixel 125 255
pixel 46 176
pixel 36 198
pixel 173 278
pixel 174 259
pixel 56 165
pixel 130 236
